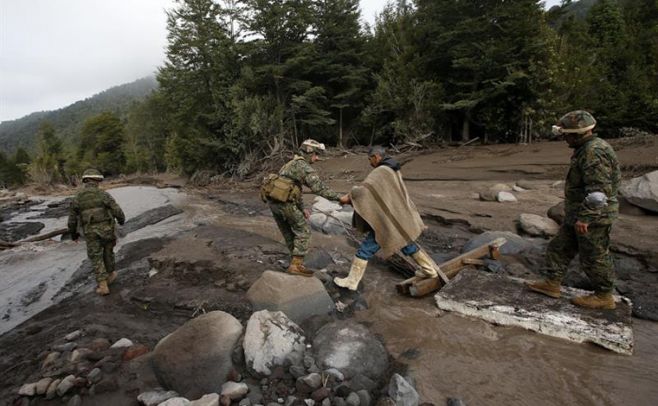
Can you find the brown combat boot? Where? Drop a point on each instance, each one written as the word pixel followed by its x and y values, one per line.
pixel 111 277
pixel 548 287
pixel 102 288
pixel 297 267
pixel 598 300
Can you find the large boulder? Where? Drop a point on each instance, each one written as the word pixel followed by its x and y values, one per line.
pixel 350 348
pixel 515 243
pixel 537 226
pixel 195 359
pixel 329 217
pixel 272 340
pixel 297 296
pixel 491 194
pixel 643 191
pixel 401 391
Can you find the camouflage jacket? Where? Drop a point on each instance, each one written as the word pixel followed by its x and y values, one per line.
pixel 594 168
pixel 302 173
pixel 96 210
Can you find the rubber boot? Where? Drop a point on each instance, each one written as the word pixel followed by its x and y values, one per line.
pixel 357 270
pixel 102 288
pixel 297 267
pixel 111 277
pixel 598 300
pixel 548 287
pixel 426 265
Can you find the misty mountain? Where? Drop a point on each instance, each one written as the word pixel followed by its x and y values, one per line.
pixel 69 120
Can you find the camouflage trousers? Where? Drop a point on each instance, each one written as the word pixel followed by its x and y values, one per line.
pixel 101 254
pixel 593 249
pixel 292 224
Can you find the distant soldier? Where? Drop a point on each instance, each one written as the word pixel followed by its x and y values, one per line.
pixel 590 209
pixel 386 214
pixel 96 211
pixel 285 201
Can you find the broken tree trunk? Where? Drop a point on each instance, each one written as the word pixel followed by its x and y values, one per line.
pixel 45 236
pixel 418 287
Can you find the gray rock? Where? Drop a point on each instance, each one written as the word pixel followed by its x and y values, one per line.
pixel 313 380
pixel 322 204
pixel 362 382
pixel 74 335
pixel 65 385
pixel 298 297
pixel 326 402
pixel 402 393
pixel 297 371
pixel 515 243
pixel 537 226
pixel 75 401
pixel 556 213
pixel 211 399
pixel 338 376
pixel 155 397
pixel 339 401
pixel 642 191
pixel 271 340
pixel 28 389
pixel 79 354
pixel 42 386
pixel 122 343
pixel 245 402
pixel 175 402
pixel 50 359
pixel 353 399
pixel 195 359
pixel 147 218
pixel 65 347
pixel 506 197
pixel 234 390
pixel 455 402
pixel 364 397
pixel 526 184
pixel 95 375
pixel 317 220
pixel 51 392
pixel 351 348
pixel 491 194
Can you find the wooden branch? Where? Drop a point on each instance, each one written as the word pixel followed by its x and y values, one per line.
pixel 45 236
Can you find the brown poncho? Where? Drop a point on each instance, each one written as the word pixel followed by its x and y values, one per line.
pixel 383 202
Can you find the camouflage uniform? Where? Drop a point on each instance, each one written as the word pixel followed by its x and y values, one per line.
pixel 594 168
pixel 289 216
pixel 96 211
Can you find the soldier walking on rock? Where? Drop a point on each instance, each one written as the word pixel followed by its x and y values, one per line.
pixel 95 210
pixel 590 209
pixel 285 201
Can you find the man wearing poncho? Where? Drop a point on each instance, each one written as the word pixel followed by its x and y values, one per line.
pixel 384 211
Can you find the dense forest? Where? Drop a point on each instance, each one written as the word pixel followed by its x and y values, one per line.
pixel 245 80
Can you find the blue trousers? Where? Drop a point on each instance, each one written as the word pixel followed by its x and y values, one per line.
pixel 369 247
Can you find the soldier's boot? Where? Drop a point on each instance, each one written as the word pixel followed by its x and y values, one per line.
pixel 111 277
pixel 297 267
pixel 548 287
pixel 102 288
pixel 357 270
pixel 597 300
pixel 426 265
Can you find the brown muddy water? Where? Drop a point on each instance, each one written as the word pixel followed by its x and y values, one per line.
pixel 453 356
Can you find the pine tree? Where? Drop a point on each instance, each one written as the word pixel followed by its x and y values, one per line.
pixel 101 143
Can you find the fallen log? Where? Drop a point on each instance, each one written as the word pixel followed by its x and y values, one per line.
pixel 45 236
pixel 418 287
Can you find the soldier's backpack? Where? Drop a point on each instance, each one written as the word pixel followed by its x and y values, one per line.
pixel 277 188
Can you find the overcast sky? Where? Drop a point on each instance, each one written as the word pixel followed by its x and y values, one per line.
pixel 56 52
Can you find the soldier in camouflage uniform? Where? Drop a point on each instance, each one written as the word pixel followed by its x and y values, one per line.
pixel 96 211
pixel 591 207
pixel 290 216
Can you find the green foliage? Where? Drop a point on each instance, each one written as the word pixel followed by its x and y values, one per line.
pixel 48 164
pixel 101 144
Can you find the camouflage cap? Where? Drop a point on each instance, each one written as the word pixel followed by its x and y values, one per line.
pixel 575 122
pixel 92 174
pixel 310 146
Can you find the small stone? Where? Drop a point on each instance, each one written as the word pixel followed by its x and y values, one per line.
pixel 52 389
pixel 65 385
pixel 106 385
pixel 95 375
pixel 360 382
pixel 309 402
pixel 42 386
pixel 313 380
pixel 234 390
pixel 155 397
pixel 308 361
pixel 122 343
pixel 99 344
pixel 364 397
pixel 339 401
pixel 326 402
pixel 320 394
pixel 505 197
pixel 210 399
pixel 455 402
pixel 297 371
pixel 29 389
pixel 50 359
pixel 79 354
pixel 65 347
pixel 75 401
pixel 338 376
pixel 353 399
pixel 135 351
pixel 245 402
pixel 73 335
pixel 342 390
pixel 402 392
pixel 175 402
pixel 224 401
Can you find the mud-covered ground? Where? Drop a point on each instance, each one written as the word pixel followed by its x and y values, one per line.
pixel 229 239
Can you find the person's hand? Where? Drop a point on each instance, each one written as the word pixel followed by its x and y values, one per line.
pixel 307 213
pixel 581 228
pixel 345 199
